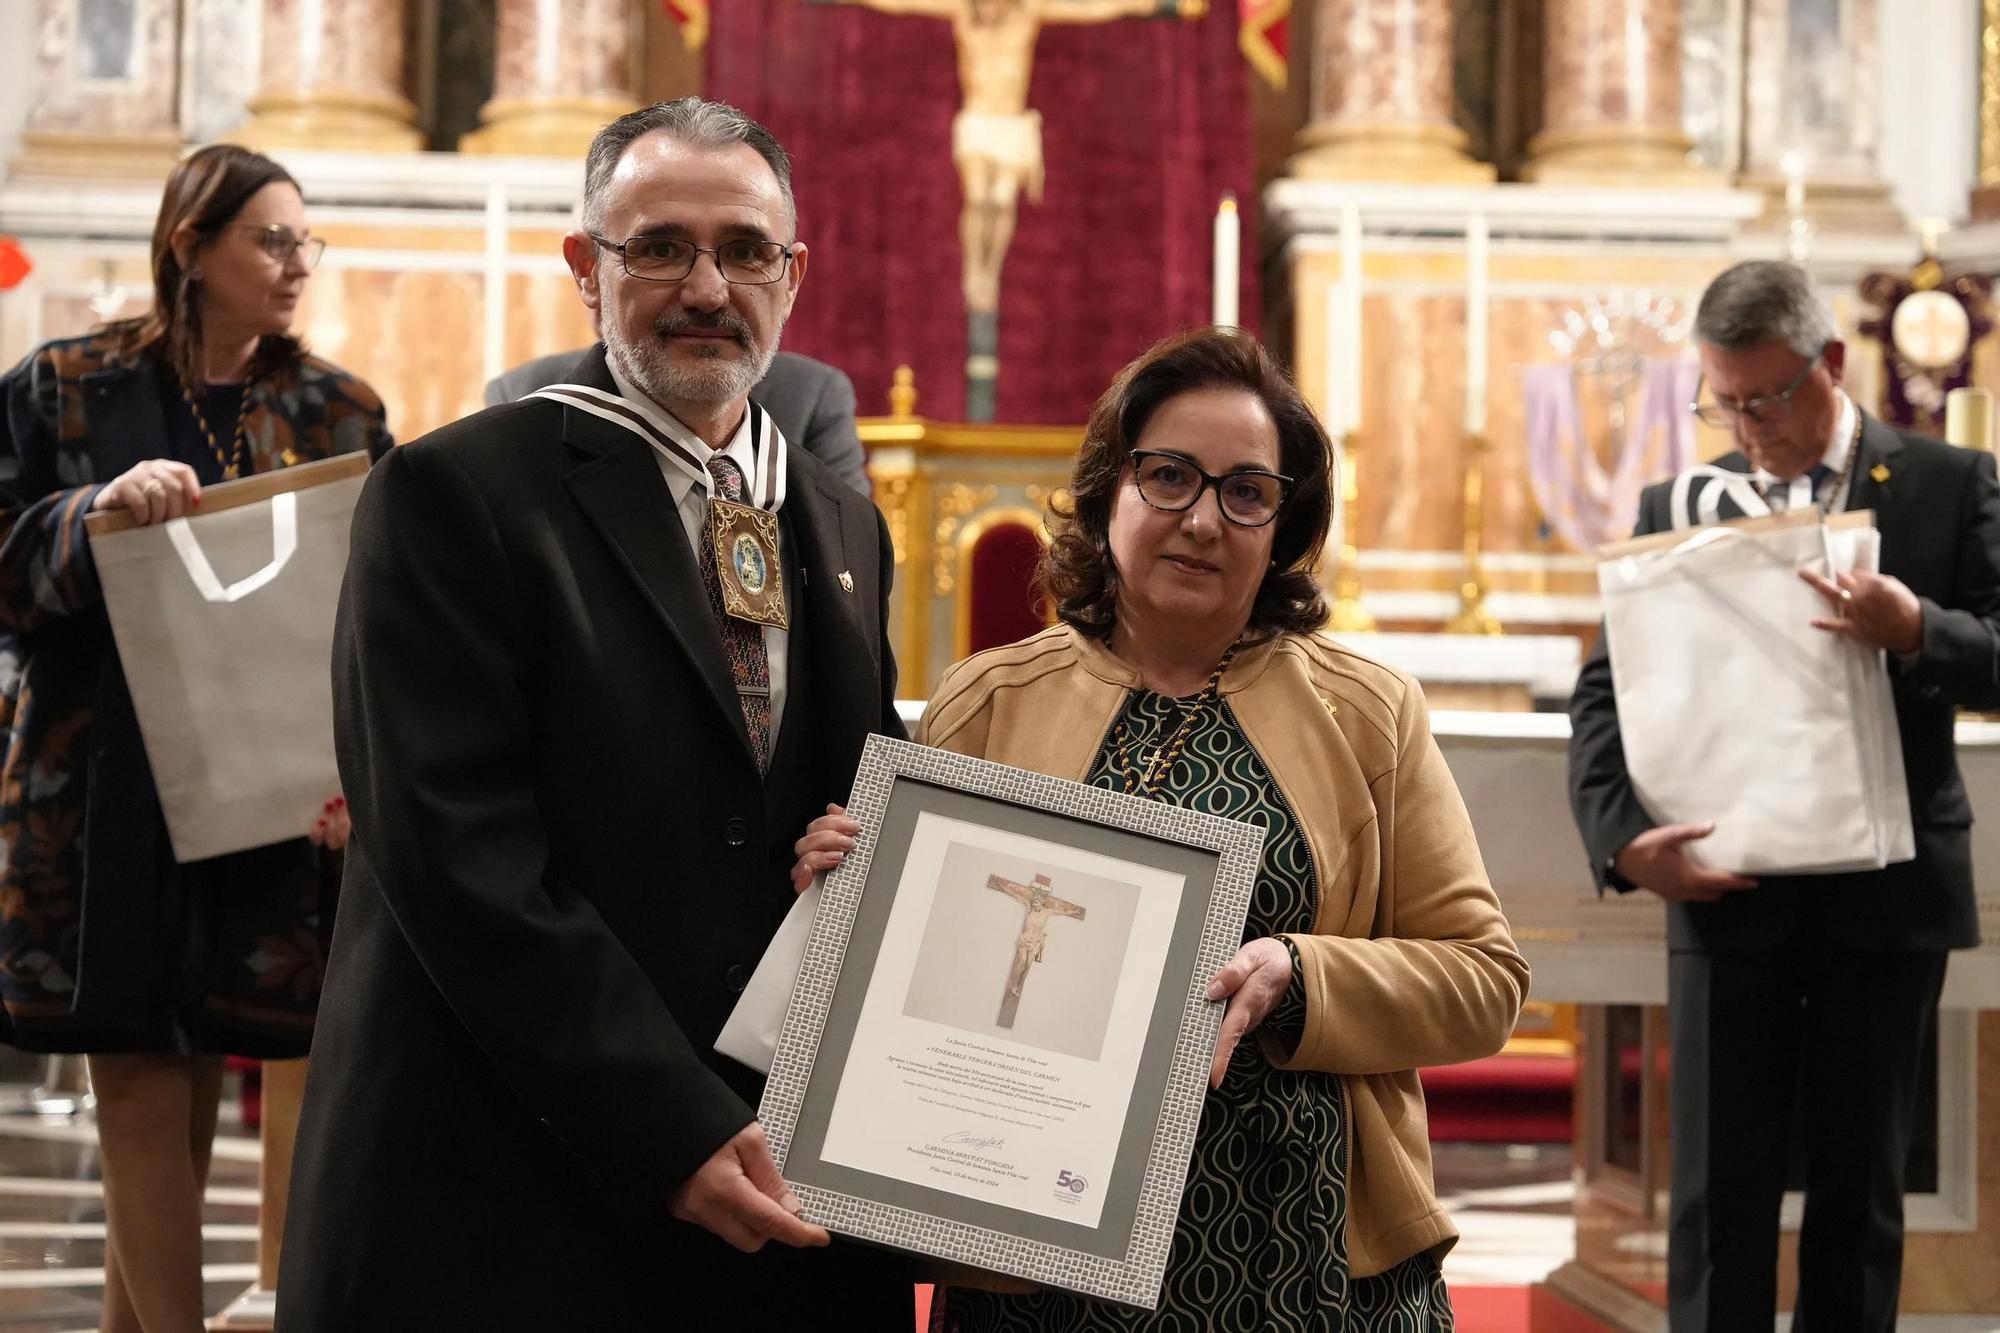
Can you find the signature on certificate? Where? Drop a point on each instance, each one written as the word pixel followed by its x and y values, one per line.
pixel 965 1138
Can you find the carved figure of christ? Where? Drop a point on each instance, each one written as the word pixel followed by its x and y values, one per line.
pixel 1041 905
pixel 996 141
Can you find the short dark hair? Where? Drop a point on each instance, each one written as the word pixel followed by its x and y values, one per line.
pixel 1759 300
pixel 690 120
pixel 1077 572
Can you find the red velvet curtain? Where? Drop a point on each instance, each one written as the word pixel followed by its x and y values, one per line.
pixel 1146 123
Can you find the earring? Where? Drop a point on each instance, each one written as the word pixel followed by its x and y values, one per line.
pixel 194 274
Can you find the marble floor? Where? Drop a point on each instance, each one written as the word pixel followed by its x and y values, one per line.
pixel 1512 1203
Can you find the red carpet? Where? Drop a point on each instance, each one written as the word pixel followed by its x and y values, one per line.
pixel 1476 1309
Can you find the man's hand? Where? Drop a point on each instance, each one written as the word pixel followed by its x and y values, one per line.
pixel 1657 859
pixel 1871 609
pixel 1253 982
pixel 739 1195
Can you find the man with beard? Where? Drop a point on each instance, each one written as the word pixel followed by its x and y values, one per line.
pixel 601 654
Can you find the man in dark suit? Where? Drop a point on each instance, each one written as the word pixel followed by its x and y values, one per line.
pixel 1820 986
pixel 575 784
pixel 811 402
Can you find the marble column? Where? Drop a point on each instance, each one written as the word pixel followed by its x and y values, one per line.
pixel 1986 193
pixel 333 78
pixel 1381 95
pixel 1611 96
pixel 105 90
pixel 1812 100
pixel 562 70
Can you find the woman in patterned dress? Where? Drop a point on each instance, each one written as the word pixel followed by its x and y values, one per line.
pixel 155 970
pixel 1187 668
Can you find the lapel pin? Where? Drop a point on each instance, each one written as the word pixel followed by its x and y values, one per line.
pixel 1880 472
pixel 846 581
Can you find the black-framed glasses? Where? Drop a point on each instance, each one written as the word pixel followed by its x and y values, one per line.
pixel 1248 497
pixel 746 262
pixel 277 241
pixel 1759 411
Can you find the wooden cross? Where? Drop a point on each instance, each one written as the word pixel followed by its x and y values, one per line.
pixel 1041 905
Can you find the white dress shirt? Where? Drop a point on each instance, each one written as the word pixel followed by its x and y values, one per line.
pixel 1834 461
pixel 691 496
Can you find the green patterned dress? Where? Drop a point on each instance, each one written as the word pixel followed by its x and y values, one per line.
pixel 1261 1245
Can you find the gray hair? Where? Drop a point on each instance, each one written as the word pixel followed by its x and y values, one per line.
pixel 688 120
pixel 1762 299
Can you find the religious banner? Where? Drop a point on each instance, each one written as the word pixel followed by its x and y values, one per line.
pixel 1266 38
pixel 1012 197
pixel 1928 326
pixel 692 15
pixel 1585 502
pixel 997 1047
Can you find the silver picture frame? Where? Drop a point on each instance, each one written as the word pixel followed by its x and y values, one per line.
pixel 903 796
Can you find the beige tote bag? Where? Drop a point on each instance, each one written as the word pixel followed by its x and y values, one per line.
pixel 224 623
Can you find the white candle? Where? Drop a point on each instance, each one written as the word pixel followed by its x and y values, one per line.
pixel 1347 395
pixel 1478 303
pixel 1227 276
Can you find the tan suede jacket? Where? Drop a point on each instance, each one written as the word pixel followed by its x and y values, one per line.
pixel 1410 963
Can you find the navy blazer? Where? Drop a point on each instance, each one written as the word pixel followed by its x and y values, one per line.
pixel 1938 510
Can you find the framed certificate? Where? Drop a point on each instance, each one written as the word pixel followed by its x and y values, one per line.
pixel 999 1042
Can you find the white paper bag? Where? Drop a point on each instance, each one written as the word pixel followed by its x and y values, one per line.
pixel 750 1036
pixel 1733 708
pixel 224 625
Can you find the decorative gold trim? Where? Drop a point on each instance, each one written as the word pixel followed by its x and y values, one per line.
pixel 1989 93
pixel 1473 617
pixel 1385 150
pixel 979 526
pixel 135 156
pixel 331 121
pixel 956 502
pixel 542 126
pixel 1617 155
pixel 1348 615
pixel 1254 41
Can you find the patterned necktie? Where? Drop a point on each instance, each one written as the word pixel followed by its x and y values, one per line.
pixel 1778 494
pixel 742 641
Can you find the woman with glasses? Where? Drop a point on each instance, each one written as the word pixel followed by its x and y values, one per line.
pixel 155 970
pixel 1187 669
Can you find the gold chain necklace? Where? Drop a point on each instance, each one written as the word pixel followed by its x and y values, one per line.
pixel 232 462
pixel 1160 765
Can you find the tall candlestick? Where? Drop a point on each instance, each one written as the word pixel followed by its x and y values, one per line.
pixel 1346 413
pixel 1228 264
pixel 1478 303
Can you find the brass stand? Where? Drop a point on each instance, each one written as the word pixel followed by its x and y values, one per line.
pixel 1348 615
pixel 1473 617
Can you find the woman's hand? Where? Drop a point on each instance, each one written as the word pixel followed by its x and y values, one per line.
pixel 333 826
pixel 1253 982
pixel 827 842
pixel 155 491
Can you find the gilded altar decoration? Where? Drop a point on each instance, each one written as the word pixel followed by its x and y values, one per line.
pixel 1928 326
pixel 1608 415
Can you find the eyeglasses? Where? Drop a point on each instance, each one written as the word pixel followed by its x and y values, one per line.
pixel 1759 411
pixel 1248 497
pixel 747 263
pixel 278 242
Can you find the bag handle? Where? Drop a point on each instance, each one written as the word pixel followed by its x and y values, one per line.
pixel 284 544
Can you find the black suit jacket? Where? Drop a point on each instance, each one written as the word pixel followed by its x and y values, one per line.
pixel 1938 510
pixel 565 863
pixel 812 402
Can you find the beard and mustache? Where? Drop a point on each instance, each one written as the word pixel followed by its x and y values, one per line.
pixel 711 379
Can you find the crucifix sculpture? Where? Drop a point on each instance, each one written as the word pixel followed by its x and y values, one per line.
pixel 1041 905
pixel 996 142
